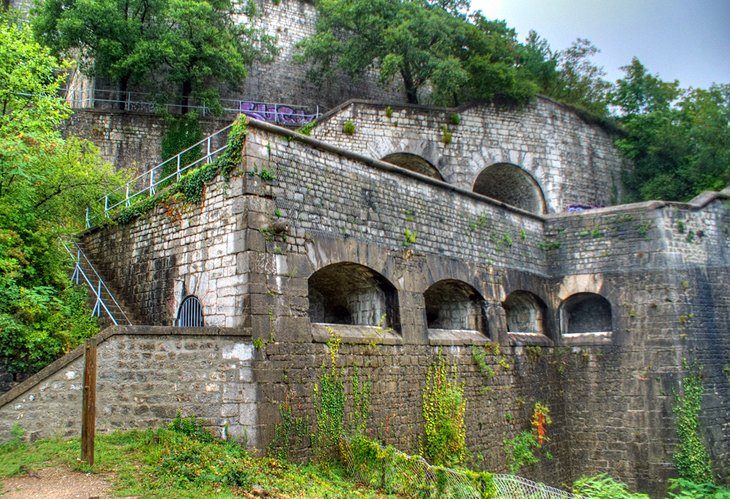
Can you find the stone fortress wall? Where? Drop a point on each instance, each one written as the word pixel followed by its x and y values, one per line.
pixel 593 312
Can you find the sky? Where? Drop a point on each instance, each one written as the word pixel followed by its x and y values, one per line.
pixel 685 40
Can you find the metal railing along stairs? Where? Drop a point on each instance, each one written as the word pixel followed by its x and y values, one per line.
pixel 104 301
pixel 148 182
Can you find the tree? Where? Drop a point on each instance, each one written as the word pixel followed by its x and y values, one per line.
pixel 678 140
pixel 191 45
pixel 45 185
pixel 580 82
pixel 437 51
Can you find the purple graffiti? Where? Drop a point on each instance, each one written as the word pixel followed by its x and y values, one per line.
pixel 276 113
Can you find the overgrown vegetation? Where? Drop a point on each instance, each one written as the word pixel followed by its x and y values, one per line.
pixel 691 457
pixel 526 448
pixel 191 186
pixel 187 48
pixel 444 407
pixel 181 133
pixel 185 461
pixel 46 182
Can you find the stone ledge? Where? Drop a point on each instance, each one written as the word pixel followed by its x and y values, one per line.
pixel 529 339
pixel 587 339
pixel 355 335
pixel 456 337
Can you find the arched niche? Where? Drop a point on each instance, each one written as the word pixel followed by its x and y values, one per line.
pixel 586 313
pixel 525 313
pixel 190 313
pixel 414 163
pixel 512 185
pixel 455 305
pixel 349 293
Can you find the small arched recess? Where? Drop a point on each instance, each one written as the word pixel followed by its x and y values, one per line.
pixel 349 293
pixel 190 313
pixel 414 163
pixel 512 185
pixel 526 314
pixel 586 313
pixel 455 305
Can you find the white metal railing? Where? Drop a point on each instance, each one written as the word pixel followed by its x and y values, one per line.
pixel 95 283
pixel 148 182
pixel 279 113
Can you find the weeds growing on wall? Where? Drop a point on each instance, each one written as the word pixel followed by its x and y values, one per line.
pixel 691 457
pixel 524 448
pixel 329 405
pixel 191 186
pixel 180 133
pixel 444 406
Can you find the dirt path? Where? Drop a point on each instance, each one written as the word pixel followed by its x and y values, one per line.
pixel 56 483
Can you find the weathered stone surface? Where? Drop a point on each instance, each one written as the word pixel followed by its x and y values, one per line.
pixel 610 394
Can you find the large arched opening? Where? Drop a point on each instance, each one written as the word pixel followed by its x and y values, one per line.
pixel 349 293
pixel 512 185
pixel 414 163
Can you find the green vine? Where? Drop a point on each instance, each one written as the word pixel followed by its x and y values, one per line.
pixel 329 404
pixel 691 457
pixel 444 406
pixel 192 185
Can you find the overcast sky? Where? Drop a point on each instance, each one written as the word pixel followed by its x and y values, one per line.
pixel 686 40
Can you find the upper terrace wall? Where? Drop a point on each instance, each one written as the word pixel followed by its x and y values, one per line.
pixel 286 80
pixel 571 160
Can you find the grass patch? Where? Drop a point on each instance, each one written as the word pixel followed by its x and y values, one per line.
pixel 181 461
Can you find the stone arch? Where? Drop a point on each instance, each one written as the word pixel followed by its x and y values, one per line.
pixel 526 313
pixel 455 305
pixel 190 313
pixel 584 313
pixel 414 163
pixel 350 293
pixel 512 185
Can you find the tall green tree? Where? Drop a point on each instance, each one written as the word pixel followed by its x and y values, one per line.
pixel 45 184
pixel 678 140
pixel 184 47
pixel 578 80
pixel 439 53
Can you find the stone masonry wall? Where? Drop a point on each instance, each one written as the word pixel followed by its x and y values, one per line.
pixel 299 205
pixel 572 161
pixel 286 80
pixel 176 251
pixel 144 377
pixel 130 140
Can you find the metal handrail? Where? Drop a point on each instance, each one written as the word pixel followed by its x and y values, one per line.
pixel 148 177
pixel 100 285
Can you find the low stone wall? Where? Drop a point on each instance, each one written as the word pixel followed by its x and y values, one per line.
pixel 145 376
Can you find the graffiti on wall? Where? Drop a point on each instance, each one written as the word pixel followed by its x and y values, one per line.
pixel 280 114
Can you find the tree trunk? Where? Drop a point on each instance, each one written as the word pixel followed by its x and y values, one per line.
pixel 187 89
pixel 123 87
pixel 409 85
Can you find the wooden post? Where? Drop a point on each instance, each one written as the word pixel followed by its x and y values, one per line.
pixel 88 405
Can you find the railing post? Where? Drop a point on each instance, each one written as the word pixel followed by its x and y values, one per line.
pixel 127 196
pixel 276 114
pixel 152 182
pixel 179 157
pixel 106 206
pixel 209 159
pixel 88 218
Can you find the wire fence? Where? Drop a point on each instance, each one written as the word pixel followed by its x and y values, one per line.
pixel 397 473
